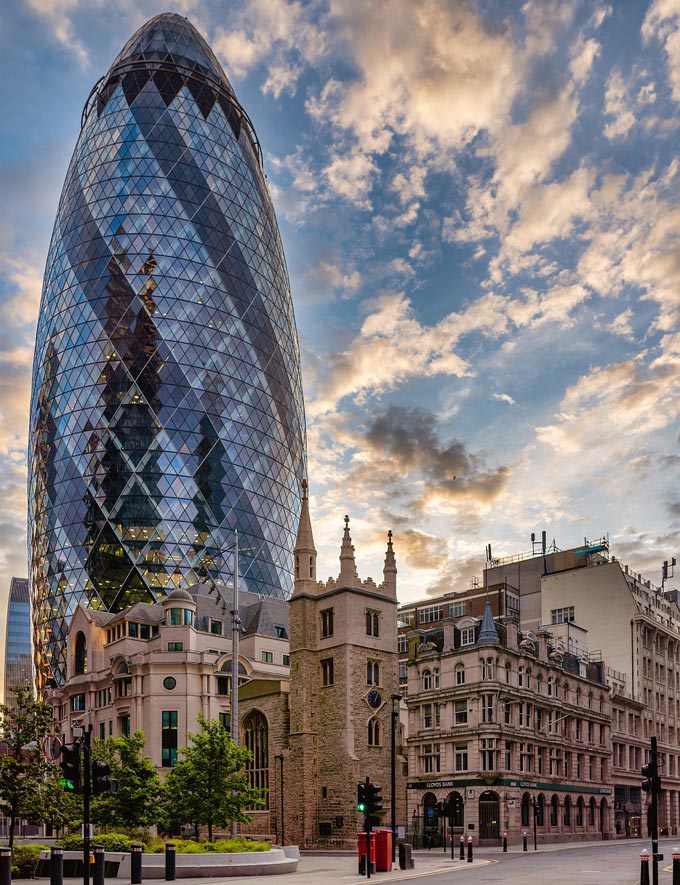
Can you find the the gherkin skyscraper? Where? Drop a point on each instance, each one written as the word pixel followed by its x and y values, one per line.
pixel 167 406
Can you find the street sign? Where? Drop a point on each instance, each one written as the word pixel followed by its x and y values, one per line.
pixel 51 747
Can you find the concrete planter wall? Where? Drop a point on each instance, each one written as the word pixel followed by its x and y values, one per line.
pixel 188 866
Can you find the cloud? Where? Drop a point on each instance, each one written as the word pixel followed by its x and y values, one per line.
pixel 504 398
pixel 57 13
pixel 662 22
pixel 276 33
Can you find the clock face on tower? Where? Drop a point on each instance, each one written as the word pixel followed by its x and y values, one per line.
pixel 374 698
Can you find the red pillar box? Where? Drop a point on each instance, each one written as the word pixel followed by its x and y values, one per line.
pixel 361 851
pixel 383 851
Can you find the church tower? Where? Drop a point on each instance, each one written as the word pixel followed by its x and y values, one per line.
pixel 344 672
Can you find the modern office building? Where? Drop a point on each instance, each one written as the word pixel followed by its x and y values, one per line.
pixel 167 408
pixel 18 663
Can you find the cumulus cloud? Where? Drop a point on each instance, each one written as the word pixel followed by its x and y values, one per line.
pixel 57 14
pixel 504 398
pixel 618 107
pixel 276 33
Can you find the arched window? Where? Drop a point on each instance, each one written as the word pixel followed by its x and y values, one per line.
pixel 557 689
pixel 550 686
pixel 80 653
pixel 590 701
pixel 528 678
pixel 435 677
pixel 579 811
pixel 520 676
pixel 540 811
pixel 591 812
pixel 567 811
pixel 372 673
pixel 539 684
pixel 373 732
pixel 460 674
pixel 507 674
pixel 554 808
pixel 487 668
pixel 427 680
pixel 526 806
pixel 256 739
pixel 578 697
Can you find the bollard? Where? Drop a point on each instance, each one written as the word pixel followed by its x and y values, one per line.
pixel 136 864
pixel 170 859
pixel 56 866
pixel 676 866
pixel 98 871
pixel 505 841
pixel 462 847
pixel 644 867
pixel 525 847
pixel 469 860
pixel 5 866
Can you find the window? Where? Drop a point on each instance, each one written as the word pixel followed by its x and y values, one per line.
pixel 267 657
pixel 169 738
pixel 467 636
pixel 372 623
pixel 435 678
pixel 326 623
pixel 507 674
pixel 102 731
pixel 372 673
pixel 373 732
pixel 431 759
pixel 403 670
pixel 509 750
pixel 430 614
pixel 427 715
pixel 507 712
pixel 550 686
pixel 520 677
pixel 225 721
pixel 77 703
pixel 460 716
pixel 286 660
pixel 175 646
pixel 80 654
pixel 488 754
pixel 427 680
pixel 133 629
pixel 487 708
pixel 402 643
pixel 487 668
pixel 124 726
pixel 457 609
pixel 169 683
pixel 215 627
pixel 567 811
pixel 175 616
pixel 526 805
pixel 327 672
pixel 256 734
pixel 562 615
pixel 539 684
pixel 281 632
pixel 460 757
pixel 460 674
pixel 437 715
pixel 554 811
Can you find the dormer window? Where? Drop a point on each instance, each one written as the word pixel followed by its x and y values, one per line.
pixel 181 616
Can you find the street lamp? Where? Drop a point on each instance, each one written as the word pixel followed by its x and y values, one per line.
pixel 281 757
pixel 235 631
pixel 393 772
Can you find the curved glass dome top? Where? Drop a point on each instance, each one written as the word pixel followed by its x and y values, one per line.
pixel 167 406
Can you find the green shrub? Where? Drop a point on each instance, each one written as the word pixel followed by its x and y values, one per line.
pixel 25 861
pixel 110 841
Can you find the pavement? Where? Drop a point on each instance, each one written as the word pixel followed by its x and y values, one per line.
pixel 326 867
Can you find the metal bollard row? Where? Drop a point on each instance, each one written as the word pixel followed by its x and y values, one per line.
pixel 136 864
pixel 462 847
pixel 469 860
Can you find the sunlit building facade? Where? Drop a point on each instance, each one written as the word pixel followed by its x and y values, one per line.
pixel 167 406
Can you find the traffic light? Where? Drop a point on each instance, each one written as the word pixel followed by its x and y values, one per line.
pixel 361 798
pixel 101 782
pixel 70 768
pixel 373 798
pixel 652 781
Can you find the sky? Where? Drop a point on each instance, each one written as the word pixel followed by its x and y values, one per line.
pixel 479 205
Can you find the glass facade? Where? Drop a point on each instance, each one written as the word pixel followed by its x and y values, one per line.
pixel 18 666
pixel 167 404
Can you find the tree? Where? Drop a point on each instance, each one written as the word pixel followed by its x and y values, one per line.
pixel 136 803
pixel 22 767
pixel 209 786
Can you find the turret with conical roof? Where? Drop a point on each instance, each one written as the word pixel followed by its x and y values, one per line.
pixel 488 635
pixel 305 551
